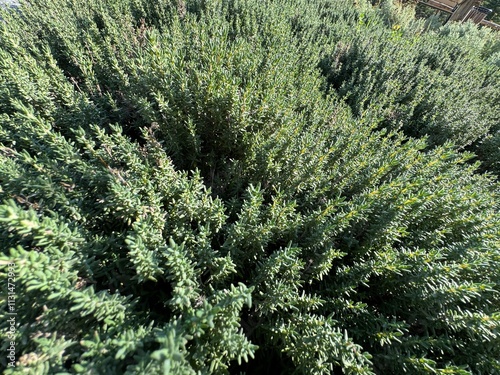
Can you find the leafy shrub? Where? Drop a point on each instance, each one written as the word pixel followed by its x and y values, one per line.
pixel 181 196
pixel 441 84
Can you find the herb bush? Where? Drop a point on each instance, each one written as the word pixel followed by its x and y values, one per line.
pixel 443 84
pixel 187 189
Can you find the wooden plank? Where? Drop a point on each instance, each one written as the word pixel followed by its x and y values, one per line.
pixel 439 6
pixel 490 24
pixel 463 9
pixel 449 3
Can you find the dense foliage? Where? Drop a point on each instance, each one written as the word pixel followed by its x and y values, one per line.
pixel 231 187
pixel 494 6
pixel 444 84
